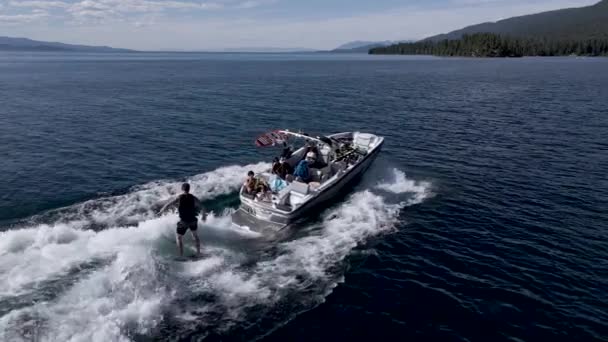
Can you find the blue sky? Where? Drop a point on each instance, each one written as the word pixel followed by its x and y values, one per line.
pixel 220 24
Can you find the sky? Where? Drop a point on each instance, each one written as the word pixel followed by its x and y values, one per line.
pixel 205 25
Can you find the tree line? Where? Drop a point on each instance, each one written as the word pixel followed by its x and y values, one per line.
pixel 493 45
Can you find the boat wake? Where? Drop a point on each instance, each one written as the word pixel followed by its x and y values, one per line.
pixel 104 270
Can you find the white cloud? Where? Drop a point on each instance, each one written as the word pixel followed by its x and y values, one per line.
pixel 22 18
pixel 40 4
pixel 98 10
pixel 252 3
pixel 101 10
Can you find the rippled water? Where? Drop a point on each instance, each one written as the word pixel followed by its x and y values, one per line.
pixel 483 219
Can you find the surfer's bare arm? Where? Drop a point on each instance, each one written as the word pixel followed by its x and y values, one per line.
pixel 169 204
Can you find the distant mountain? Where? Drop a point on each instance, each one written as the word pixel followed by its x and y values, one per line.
pixel 24 44
pixel 268 49
pixel 589 22
pixel 360 43
pixel 363 46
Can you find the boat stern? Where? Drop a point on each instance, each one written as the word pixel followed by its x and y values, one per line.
pixel 244 220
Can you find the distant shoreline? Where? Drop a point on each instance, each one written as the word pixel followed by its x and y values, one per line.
pixel 161 51
pixel 312 53
pixel 494 45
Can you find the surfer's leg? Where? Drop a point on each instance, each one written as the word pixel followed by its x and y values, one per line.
pixel 180 244
pixel 197 241
pixel 181 230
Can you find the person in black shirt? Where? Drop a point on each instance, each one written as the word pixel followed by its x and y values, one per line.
pixel 282 169
pixel 312 147
pixel 287 151
pixel 275 165
pixel 188 209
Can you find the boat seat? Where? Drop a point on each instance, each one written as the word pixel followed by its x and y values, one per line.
pixel 298 191
pixel 362 141
pixel 337 166
pixel 282 196
pixel 326 173
pixel 283 207
pixel 299 188
pixel 325 150
pixel 320 175
pixel 316 175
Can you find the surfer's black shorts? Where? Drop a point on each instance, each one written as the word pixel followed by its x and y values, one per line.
pixel 182 227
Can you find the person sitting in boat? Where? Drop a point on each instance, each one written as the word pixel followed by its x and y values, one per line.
pixel 250 183
pixel 318 163
pixel 282 169
pixel 287 151
pixel 275 165
pixel 311 147
pixel 253 185
pixel 302 172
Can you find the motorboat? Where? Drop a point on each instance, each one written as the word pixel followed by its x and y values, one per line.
pixel 340 159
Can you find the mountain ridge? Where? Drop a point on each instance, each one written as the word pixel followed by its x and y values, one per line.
pixel 26 44
pixel 363 46
pixel 587 22
pixel 362 43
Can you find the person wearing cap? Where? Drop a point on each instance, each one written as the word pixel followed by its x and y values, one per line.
pixel 282 168
pixel 302 172
pixel 188 208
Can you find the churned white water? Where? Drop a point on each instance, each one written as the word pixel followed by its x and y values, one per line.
pixel 122 280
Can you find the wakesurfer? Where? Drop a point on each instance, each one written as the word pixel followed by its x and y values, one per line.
pixel 188 208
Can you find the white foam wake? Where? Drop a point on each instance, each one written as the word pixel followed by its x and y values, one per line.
pixel 34 254
pixel 142 202
pixel 127 294
pixel 400 184
pixel 299 264
pixel 30 256
pixel 365 214
pixel 135 286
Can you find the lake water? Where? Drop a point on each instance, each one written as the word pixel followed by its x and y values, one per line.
pixel 484 218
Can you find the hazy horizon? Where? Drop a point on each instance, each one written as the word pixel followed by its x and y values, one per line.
pixel 196 25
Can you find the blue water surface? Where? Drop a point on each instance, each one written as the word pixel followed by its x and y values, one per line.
pixel 509 243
